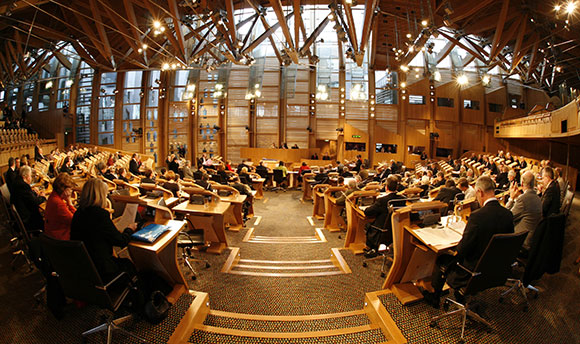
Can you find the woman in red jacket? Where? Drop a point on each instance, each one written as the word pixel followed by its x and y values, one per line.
pixel 59 208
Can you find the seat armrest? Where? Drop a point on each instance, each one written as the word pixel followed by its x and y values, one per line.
pixel 112 281
pixel 472 273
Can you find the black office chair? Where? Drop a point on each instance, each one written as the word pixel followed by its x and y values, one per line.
pixel 545 255
pixel 386 238
pixel 21 241
pixel 80 280
pixel 187 241
pixel 279 179
pixel 492 270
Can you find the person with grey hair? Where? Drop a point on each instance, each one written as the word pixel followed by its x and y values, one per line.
pixel 526 207
pixel 26 200
pixel 550 193
pixel 492 218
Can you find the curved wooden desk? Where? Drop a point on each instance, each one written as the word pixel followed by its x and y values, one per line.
pixel 318 196
pixel 355 239
pixel 333 222
pixel 413 261
pixel 307 181
pixel 211 218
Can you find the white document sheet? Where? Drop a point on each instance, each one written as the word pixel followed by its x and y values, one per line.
pixel 128 217
pixel 438 236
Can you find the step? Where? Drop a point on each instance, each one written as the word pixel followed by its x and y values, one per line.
pixel 237 265
pixel 251 237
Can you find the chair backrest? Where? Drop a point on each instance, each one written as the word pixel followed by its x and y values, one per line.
pixel 495 264
pixel 5 192
pixel 76 272
pixel 278 176
pixel 567 204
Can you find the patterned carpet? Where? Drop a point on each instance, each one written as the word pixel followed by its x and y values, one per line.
pixel 553 317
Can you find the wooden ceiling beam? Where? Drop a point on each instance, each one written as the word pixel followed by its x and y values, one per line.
pixel 250 31
pixel 351 26
pixel 443 53
pixel 297 22
pixel 312 38
pixel 113 17
pixel 370 6
pixel 467 9
pixel 92 37
pixel 374 43
pixel 101 30
pixel 174 10
pixel 499 29
pixel 291 51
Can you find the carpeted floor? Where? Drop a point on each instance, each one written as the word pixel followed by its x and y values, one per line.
pixel 553 317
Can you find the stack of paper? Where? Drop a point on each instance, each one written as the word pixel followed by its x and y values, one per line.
pixel 438 236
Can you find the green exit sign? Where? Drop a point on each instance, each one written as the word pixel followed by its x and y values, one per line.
pixel 356 136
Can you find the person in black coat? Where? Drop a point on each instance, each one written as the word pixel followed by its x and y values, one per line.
pixel 550 193
pixel 92 225
pixel 447 193
pixel 67 166
pixel 26 200
pixel 492 218
pixel 11 174
pixel 174 165
pixel 134 164
pixel 380 211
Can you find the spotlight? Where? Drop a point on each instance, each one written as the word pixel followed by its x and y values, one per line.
pixel 403 84
pixel 485 79
pixel 156 24
pixel 570 7
pixel 424 23
pixel 462 80
pixel 405 68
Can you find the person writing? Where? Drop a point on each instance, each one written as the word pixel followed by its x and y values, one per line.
pixel 483 223
pixel 526 208
pixel 92 225
pixel 60 208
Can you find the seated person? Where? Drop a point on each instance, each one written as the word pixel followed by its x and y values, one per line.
pixel 550 193
pixel 173 164
pixel 105 172
pixel 467 190
pixel 122 174
pixel 67 165
pixel 362 178
pixel 483 223
pixel 26 200
pixel 501 180
pixel 60 208
pixel 439 180
pixel 284 170
pixel 204 181
pixel 345 173
pixel 92 225
pixel 171 183
pixel 221 171
pixel 447 193
pixel 262 170
pixel 148 177
pixel 380 212
pixel 526 207
pixel 12 173
pixel 244 190
pixel 322 176
pixel 134 164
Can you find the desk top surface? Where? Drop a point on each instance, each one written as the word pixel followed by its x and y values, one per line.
pixel 174 229
pixel 209 208
pixel 234 199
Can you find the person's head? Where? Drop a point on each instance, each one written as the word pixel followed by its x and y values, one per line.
pixel 148 173
pixel 450 183
pixel 440 175
pixel 461 169
pixel 463 184
pixel 511 175
pixel 557 172
pixel 303 163
pixel 134 156
pixel 364 174
pixel 281 163
pixel 94 194
pixel 163 170
pixel 121 172
pixel 340 180
pixel 63 184
pixel 429 174
pixel 392 182
pixel 351 184
pixel 221 168
pixel 205 177
pixel 101 167
pixel 170 175
pixel 11 162
pixel 26 174
pixel 470 172
pixel 484 189
pixel 244 170
pixel 547 175
pixel 527 180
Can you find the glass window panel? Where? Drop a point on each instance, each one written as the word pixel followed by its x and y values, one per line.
pixel 107 90
pixel 133 79
pixel 106 126
pixel 153 98
pixel 107 113
pixel 181 77
pixel 109 78
pixel 132 96
pixel 106 139
pixel 151 115
pixel 132 112
pixel 107 101
pixel 178 94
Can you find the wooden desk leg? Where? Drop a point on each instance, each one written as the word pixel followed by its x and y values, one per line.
pixel 235 218
pixel 218 225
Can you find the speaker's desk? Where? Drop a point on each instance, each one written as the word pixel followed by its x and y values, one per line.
pixel 318 196
pixel 161 257
pixel 355 239
pixel 413 259
pixel 211 218
pixel 333 222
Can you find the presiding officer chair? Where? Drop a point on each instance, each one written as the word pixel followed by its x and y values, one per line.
pixel 79 279
pixel 492 270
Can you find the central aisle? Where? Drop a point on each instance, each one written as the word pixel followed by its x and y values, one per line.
pixel 283 216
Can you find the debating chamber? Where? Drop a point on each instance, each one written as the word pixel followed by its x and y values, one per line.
pixel 289 171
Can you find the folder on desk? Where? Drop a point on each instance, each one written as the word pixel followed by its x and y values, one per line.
pixel 150 233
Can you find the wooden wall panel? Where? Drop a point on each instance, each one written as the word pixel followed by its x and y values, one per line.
pixel 417 134
pixel 495 96
pixel 442 113
pixel 475 94
pixel 383 135
pixel 472 138
pixel 385 112
pixel 419 88
pixel 447 135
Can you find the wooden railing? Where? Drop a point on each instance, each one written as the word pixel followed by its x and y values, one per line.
pixel 562 122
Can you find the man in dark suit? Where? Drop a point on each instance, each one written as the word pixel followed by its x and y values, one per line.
pixel 447 193
pixel 380 211
pixel 11 174
pixel 501 180
pixel 26 200
pixel 134 164
pixel 550 193
pixel 488 220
